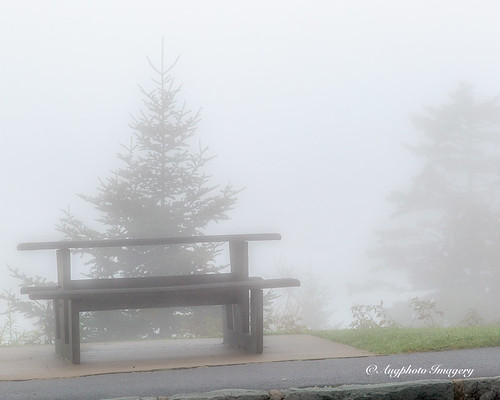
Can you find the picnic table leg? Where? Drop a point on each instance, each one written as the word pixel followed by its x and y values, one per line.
pixel 74 334
pixel 238 253
pixel 66 313
pixel 253 340
pixel 233 326
pixel 67 327
pixel 61 307
pixel 257 322
pixel 227 324
pixel 236 316
pixel 244 321
pixel 58 326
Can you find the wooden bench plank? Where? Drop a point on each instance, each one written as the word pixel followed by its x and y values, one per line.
pixel 155 300
pixel 149 281
pixel 85 244
pixel 202 287
pixel 30 289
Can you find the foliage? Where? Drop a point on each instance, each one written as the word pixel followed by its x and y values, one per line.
pixel 296 309
pixel 370 316
pixel 281 312
pixel 41 312
pixel 9 332
pixel 445 231
pixel 394 340
pixel 425 310
pixel 160 191
pixel 12 335
pixel 472 318
pixel 277 319
pixel 191 325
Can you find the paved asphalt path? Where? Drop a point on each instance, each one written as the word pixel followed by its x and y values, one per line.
pixel 276 375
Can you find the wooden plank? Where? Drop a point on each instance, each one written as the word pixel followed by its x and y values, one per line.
pixel 84 244
pixel 238 256
pixel 232 286
pixel 162 300
pixel 63 267
pixel 30 289
pixel 150 281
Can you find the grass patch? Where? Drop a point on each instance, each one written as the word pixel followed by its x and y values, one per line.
pixel 410 340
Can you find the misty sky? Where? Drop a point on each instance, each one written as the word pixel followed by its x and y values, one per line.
pixel 305 103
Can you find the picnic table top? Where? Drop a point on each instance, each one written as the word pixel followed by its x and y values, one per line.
pixel 83 244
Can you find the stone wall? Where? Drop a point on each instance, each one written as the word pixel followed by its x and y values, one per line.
pixel 439 389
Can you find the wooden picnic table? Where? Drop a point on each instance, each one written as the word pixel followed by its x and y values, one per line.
pixel 240 294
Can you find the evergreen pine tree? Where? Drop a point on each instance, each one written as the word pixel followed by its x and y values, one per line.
pixel 160 191
pixel 446 228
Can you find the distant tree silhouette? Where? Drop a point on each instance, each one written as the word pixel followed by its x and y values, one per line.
pixel 445 231
pixel 161 190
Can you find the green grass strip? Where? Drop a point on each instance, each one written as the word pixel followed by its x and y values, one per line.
pixel 410 340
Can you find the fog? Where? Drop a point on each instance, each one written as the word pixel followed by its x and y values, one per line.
pixel 306 105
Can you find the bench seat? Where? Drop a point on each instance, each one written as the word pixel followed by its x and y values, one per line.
pixel 100 299
pixel 55 292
